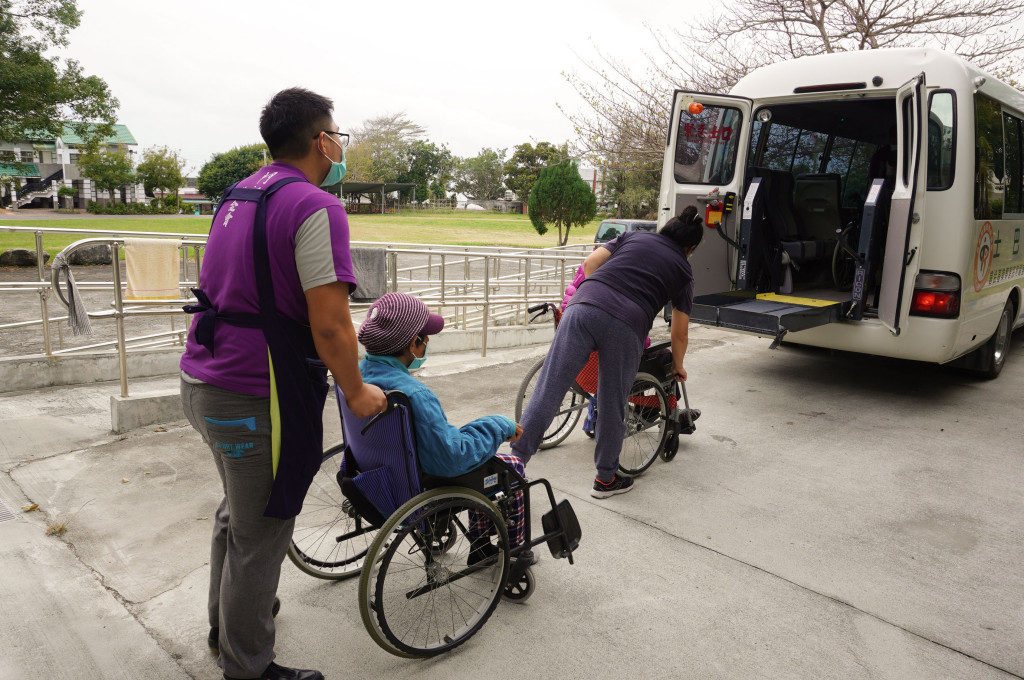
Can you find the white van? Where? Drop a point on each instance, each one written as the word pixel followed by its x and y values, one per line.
pixel 820 234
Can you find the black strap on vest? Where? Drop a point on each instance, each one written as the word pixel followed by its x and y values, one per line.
pixel 205 326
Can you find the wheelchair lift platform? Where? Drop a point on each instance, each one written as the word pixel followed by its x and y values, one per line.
pixel 764 313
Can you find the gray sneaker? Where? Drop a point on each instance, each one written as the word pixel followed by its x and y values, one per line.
pixel 619 484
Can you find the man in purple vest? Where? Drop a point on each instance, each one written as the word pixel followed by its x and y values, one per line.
pixel 272 317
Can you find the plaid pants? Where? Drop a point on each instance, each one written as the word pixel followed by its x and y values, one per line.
pixel 480 526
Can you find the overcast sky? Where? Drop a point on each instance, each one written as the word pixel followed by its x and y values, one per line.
pixel 194 75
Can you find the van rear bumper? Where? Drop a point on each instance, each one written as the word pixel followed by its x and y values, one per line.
pixel 921 339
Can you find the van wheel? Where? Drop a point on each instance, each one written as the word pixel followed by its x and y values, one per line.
pixel 994 351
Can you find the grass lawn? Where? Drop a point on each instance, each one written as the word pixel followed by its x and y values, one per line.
pixel 442 228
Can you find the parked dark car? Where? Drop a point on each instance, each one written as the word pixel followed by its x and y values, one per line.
pixel 609 229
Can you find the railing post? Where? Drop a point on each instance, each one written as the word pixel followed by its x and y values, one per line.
pixel 561 271
pixel 487 305
pixel 394 270
pixel 122 351
pixel 442 278
pixel 526 283
pixel 43 294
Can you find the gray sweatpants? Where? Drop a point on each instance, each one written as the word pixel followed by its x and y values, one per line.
pixel 247 548
pixel 583 329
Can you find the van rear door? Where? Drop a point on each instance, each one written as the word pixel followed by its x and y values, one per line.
pixel 706 161
pixel 707 147
pixel 903 239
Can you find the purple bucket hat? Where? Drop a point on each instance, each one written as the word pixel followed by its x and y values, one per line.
pixel 393 321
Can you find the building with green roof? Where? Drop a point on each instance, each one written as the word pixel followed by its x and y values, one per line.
pixel 39 162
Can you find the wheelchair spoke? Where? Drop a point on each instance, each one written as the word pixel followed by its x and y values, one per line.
pixel 426 595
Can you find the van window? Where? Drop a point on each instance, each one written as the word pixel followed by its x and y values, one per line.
pixel 1012 133
pixel 988 159
pixel 706 145
pixel 810 148
pixel 941 140
pixel 855 190
pixel 780 147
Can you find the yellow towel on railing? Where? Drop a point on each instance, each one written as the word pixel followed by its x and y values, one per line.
pixel 153 268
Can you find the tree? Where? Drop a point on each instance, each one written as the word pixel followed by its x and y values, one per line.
pixel 626 113
pixel 37 92
pixel 482 176
pixel 380 146
pixel 6 188
pixel 523 168
pixel 562 197
pixel 161 169
pixel 224 169
pixel 109 169
pixel 67 195
pixel 430 167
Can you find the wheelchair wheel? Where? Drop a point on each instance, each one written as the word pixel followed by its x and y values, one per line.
pixel 418 602
pixel 568 414
pixel 646 424
pixel 519 590
pixel 329 540
pixel 844 266
pixel 671 447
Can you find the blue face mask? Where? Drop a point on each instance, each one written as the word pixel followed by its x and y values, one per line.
pixel 336 172
pixel 419 361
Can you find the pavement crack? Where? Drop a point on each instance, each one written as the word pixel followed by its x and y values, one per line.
pixel 129 607
pixel 24 463
pixel 793 583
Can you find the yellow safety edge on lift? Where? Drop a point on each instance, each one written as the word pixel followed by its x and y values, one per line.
pixel 791 300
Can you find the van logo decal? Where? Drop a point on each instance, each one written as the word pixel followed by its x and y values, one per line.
pixel 983 254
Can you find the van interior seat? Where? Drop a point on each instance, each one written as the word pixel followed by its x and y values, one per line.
pixel 817 200
pixel 782 217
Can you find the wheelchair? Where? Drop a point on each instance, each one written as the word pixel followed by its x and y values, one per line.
pixel 653 419
pixel 425 587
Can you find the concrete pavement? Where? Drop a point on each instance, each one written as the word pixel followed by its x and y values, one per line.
pixel 834 516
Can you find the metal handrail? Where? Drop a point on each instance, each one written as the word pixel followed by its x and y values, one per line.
pixel 119 308
pixel 495 296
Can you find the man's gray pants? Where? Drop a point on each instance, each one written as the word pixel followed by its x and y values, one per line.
pixel 247 548
pixel 583 329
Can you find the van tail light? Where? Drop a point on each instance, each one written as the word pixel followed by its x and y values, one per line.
pixel 936 295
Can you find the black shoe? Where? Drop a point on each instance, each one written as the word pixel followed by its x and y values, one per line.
pixel 213 639
pixel 619 484
pixel 275 672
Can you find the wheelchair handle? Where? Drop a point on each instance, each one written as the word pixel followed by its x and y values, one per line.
pixel 543 307
pixel 394 398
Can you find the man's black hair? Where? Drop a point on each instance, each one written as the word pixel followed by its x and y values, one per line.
pixel 687 229
pixel 291 119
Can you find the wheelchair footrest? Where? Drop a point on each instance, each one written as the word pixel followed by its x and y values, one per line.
pixel 562 519
pixel 682 426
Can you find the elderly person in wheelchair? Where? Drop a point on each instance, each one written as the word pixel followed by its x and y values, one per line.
pixel 396 335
